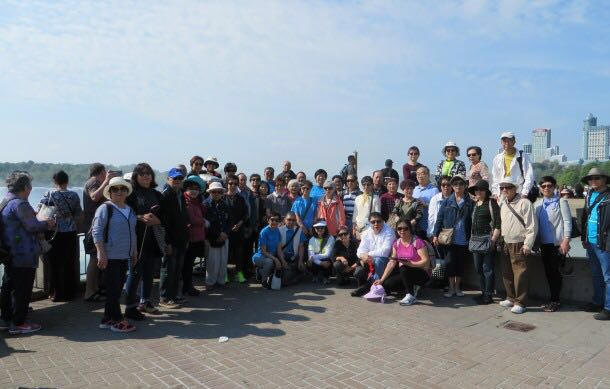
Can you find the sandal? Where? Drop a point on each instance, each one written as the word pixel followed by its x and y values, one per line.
pixel 553 306
pixel 123 326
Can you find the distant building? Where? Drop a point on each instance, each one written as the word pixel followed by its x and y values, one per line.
pixel 595 140
pixel 527 148
pixel 541 141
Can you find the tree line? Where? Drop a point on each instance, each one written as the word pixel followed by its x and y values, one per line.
pixel 567 175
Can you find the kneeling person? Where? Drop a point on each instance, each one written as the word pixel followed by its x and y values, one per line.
pixel 269 255
pixel 293 249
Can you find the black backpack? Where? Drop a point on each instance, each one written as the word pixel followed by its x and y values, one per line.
pixel 5 254
pixel 534 192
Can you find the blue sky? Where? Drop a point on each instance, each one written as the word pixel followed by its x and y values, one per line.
pixel 257 82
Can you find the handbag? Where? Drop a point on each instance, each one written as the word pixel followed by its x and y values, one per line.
pixel 445 237
pixel 276 280
pixel 480 244
pixel 438 271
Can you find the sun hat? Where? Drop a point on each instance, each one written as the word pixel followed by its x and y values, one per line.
pixel 480 185
pixel 215 186
pixel 213 160
pixel 174 172
pixel 507 134
pixel 593 172
pixel 458 177
pixel 197 180
pixel 117 181
pixel 321 223
pixel 507 180
pixel 451 144
pixel 377 292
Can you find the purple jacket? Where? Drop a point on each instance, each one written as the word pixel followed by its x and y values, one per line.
pixel 19 232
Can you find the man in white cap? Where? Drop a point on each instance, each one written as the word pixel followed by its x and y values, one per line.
pixel 512 163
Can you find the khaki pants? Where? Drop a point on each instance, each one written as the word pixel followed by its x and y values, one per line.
pixel 514 273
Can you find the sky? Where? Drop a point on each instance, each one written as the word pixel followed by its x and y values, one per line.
pixel 258 82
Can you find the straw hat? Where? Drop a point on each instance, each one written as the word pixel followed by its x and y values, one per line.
pixel 117 181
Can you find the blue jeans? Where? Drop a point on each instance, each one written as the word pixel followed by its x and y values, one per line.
pixel 144 270
pixel 171 271
pixel 600 270
pixel 484 263
pixel 379 263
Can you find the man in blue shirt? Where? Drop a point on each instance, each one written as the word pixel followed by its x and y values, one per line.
pixel 293 249
pixel 269 255
pixel 596 240
pixel 424 193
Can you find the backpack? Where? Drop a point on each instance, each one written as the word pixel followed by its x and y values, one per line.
pixel 88 241
pixel 5 254
pixel 534 192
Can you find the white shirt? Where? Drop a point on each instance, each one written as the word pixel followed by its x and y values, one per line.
pixel 524 183
pixel 376 245
pixel 433 212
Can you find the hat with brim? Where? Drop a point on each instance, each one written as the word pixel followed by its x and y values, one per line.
pixel 215 186
pixel 321 223
pixel 212 160
pixel 506 181
pixel 117 181
pixel 480 185
pixel 507 135
pixel 458 177
pixel 593 172
pixel 195 180
pixel 377 293
pixel 454 145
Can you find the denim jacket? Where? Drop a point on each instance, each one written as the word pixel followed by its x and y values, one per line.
pixel 449 214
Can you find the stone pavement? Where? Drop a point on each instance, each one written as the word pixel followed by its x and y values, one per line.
pixel 310 336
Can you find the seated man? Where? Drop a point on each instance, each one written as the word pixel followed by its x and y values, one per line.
pixel 293 249
pixel 373 252
pixel 269 256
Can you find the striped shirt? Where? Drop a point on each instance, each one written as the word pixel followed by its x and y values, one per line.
pixel 349 201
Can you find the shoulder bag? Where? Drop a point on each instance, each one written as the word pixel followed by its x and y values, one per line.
pixel 481 244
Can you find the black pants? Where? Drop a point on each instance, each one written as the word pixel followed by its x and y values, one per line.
pixel 16 293
pixel 550 258
pixel 361 273
pixel 236 250
pixel 318 269
pixel 62 259
pixel 114 278
pixel 404 278
pixel 340 270
pixel 455 255
pixel 195 250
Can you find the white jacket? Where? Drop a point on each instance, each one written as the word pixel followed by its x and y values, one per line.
pixel 361 210
pixel 497 173
pixel 376 245
pixel 317 253
pixel 433 212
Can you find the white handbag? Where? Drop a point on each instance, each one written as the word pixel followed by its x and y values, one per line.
pixel 276 280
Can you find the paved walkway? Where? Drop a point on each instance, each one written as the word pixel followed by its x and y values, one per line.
pixel 310 336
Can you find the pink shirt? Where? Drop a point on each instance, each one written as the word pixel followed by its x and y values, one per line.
pixel 409 252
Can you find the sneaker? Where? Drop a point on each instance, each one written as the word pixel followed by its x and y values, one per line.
pixel 180 300
pixel 592 307
pixel 134 314
pixel 240 277
pixel 192 292
pixel 506 303
pixel 147 307
pixel 123 326
pixel 25 328
pixel 603 315
pixel 518 309
pixel 409 299
pixel 459 293
pixel 106 324
pixel 361 291
pixel 169 304
pixel 449 293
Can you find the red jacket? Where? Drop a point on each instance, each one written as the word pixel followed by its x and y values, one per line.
pixel 196 213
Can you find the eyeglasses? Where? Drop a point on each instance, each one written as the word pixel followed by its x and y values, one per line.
pixel 507 187
pixel 594 178
pixel 274 219
pixel 343 234
pixel 450 150
pixel 412 153
pixel 546 186
pixel 376 221
pixel 291 220
pixel 402 228
pixel 472 155
pixel 115 189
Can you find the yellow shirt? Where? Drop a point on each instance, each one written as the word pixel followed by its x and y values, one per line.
pixel 508 159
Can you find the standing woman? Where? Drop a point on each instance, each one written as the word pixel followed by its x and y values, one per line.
pixel 217 213
pixel 114 235
pixel 554 233
pixel 486 224
pixel 364 205
pixel 330 208
pixel 320 249
pixel 146 204
pixel 455 220
pixel 193 199
pixel 238 216
pixel 64 253
pixel 305 208
pixel 409 169
pixel 196 166
pixel 478 169
pixel 450 166
pixel 409 208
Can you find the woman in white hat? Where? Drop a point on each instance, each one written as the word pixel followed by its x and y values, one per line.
pixel 320 249
pixel 217 213
pixel 114 235
pixel 450 166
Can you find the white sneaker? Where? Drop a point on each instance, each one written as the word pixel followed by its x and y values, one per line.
pixel 408 300
pixel 506 303
pixel 459 293
pixel 518 309
pixel 449 293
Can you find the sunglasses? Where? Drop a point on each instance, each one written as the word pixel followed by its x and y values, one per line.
pixel 595 178
pixel 116 189
pixel 291 220
pixel 546 186
pixel 450 150
pixel 319 228
pixel 274 219
pixel 472 155
pixel 348 180
pixel 413 153
pixel 232 183
pixel 445 185
pixel 343 234
pixel 402 228
pixel 376 221
pixel 179 178
pixel 507 187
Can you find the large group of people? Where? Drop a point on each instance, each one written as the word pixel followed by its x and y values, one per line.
pixel 386 233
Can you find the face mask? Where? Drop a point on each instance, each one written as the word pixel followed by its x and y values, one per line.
pixel 193 193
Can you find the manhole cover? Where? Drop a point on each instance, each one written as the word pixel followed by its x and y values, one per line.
pixel 518 326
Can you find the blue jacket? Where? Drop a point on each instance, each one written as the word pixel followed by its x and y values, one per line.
pixel 122 241
pixel 19 232
pixel 449 214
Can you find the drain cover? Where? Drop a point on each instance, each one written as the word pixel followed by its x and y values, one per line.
pixel 518 326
